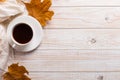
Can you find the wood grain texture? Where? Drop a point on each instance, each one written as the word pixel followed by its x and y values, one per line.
pixel 81 39
pixel 76 76
pixel 86 3
pixel 71 65
pixel 67 3
pixel 70 60
pixel 85 17
pixel 69 55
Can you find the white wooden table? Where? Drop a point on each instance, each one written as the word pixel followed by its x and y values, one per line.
pixel 82 42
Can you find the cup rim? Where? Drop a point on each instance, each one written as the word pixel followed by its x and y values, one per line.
pixel 18 42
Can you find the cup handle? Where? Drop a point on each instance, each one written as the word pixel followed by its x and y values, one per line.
pixel 14 45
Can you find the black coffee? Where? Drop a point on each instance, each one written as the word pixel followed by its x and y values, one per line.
pixel 22 33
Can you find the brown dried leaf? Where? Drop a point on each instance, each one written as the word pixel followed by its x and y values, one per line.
pixel 40 10
pixel 2 0
pixel 16 72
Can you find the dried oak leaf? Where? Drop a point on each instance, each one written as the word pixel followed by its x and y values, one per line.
pixel 2 0
pixel 16 72
pixel 40 10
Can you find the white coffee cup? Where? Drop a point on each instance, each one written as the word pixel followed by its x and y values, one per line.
pixel 20 33
pixel 24 33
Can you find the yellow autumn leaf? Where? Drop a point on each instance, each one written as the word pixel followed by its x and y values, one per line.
pixel 16 72
pixel 40 10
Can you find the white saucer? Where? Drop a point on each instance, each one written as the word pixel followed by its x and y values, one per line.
pixel 38 32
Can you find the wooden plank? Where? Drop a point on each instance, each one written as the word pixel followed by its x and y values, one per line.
pixel 70 65
pixel 81 39
pixel 85 17
pixel 76 76
pixel 86 3
pixel 69 55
